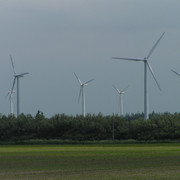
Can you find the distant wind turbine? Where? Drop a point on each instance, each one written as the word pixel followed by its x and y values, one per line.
pixel 10 94
pixel 82 91
pixel 120 98
pixel 146 64
pixel 16 77
pixel 175 72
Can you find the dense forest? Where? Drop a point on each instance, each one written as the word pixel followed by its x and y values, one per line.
pixel 164 126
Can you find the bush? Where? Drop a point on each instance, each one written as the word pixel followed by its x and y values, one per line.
pixel 91 128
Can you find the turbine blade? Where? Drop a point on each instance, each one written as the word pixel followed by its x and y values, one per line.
pixel 22 74
pixel 12 64
pixel 151 70
pixel 80 94
pixel 175 72
pixel 13 84
pixel 153 48
pixel 78 79
pixel 8 94
pixel 131 59
pixel 116 89
pixel 125 88
pixel 89 81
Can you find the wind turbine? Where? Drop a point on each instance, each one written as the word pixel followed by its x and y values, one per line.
pixel 16 77
pixel 146 64
pixel 10 94
pixel 175 72
pixel 120 98
pixel 82 92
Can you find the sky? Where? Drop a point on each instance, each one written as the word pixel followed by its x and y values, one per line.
pixel 52 39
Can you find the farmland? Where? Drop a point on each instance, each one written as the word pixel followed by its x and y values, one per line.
pixel 153 161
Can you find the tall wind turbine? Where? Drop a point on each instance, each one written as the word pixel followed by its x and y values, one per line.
pixel 10 94
pixel 82 92
pixel 120 98
pixel 175 72
pixel 146 64
pixel 16 77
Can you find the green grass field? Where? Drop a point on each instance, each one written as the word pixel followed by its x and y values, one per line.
pixel 158 161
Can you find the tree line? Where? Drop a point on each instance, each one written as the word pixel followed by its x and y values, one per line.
pixel 91 128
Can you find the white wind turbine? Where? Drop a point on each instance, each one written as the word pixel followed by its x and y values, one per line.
pixel 82 91
pixel 120 98
pixel 10 94
pixel 146 64
pixel 16 77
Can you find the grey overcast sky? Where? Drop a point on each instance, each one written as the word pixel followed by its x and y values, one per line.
pixel 52 39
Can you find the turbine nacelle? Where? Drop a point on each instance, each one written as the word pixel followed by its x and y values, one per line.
pixel 85 84
pixel 10 92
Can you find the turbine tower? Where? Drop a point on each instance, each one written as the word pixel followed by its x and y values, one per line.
pixel 146 65
pixel 16 77
pixel 82 92
pixel 120 98
pixel 10 93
